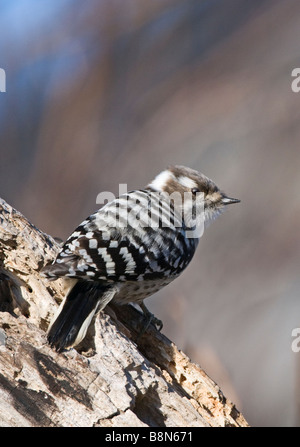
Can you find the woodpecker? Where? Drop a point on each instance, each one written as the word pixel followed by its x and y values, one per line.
pixel 131 248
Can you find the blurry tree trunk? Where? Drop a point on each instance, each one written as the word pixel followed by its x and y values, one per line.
pixel 114 379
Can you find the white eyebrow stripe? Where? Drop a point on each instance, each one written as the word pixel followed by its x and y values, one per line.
pixel 187 182
pixel 161 180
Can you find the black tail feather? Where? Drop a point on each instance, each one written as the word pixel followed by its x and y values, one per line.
pixel 82 302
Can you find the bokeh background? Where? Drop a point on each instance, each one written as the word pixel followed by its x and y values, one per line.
pixel 106 92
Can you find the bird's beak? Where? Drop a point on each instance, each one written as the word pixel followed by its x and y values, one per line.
pixel 229 200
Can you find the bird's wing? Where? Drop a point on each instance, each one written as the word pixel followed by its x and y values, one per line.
pixel 111 245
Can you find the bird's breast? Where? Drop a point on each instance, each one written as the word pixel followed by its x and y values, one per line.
pixel 135 292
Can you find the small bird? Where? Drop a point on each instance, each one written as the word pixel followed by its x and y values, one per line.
pixel 131 248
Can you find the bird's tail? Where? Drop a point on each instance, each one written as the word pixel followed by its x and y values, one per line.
pixel 76 312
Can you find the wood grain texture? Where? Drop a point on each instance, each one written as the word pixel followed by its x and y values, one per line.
pixel 116 378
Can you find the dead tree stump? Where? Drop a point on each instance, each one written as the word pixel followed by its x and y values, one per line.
pixel 115 379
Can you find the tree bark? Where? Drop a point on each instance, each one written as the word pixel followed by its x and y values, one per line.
pixel 116 378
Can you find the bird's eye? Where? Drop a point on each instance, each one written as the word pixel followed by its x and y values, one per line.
pixel 194 191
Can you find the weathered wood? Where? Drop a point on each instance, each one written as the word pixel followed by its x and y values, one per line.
pixel 114 379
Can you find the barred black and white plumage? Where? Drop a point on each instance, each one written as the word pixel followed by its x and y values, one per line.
pixel 131 248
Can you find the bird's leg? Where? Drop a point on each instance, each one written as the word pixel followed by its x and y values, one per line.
pixel 150 319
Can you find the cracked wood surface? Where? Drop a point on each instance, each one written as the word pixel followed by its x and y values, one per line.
pixel 114 379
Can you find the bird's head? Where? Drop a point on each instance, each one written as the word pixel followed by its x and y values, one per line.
pixel 199 196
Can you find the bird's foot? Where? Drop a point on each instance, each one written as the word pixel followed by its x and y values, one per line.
pixel 150 318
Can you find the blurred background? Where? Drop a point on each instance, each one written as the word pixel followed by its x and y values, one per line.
pixel 106 92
